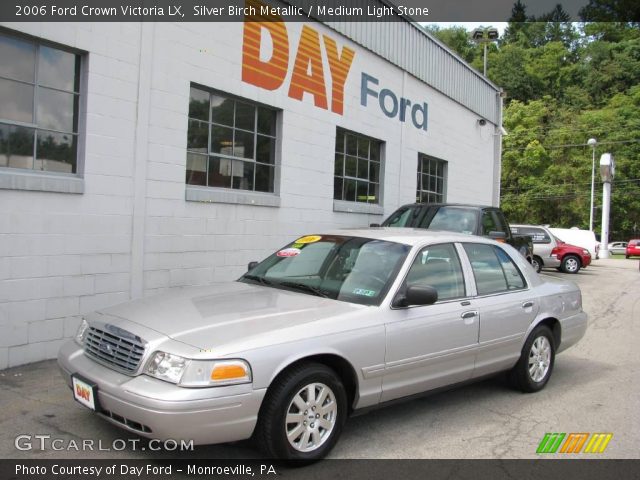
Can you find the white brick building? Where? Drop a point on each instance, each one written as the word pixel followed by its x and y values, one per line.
pixel 137 157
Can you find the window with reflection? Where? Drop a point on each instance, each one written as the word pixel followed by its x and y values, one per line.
pixel 493 269
pixel 39 105
pixel 231 142
pixel 357 168
pixel 432 178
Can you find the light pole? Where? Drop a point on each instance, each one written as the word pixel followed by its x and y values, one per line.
pixel 485 35
pixel 607 172
pixel 592 142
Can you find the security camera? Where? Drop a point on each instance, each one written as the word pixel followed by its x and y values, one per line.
pixel 482 122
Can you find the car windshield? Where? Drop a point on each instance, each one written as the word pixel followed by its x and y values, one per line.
pixel 350 269
pixel 454 219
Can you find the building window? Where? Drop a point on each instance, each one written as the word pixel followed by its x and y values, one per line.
pixel 39 105
pixel 231 142
pixel 357 168
pixel 432 176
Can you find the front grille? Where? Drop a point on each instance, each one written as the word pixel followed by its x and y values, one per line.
pixel 117 348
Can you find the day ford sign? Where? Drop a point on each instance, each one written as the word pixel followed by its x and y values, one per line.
pixel 267 60
pixel 390 105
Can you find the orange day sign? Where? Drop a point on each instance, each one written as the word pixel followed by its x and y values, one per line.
pixel 308 72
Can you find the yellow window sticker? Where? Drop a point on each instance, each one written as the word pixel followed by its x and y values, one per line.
pixel 309 239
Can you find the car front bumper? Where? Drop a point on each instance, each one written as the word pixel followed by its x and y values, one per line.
pixel 161 410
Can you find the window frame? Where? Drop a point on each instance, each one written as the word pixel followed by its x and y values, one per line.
pixel 433 196
pixel 354 206
pixel 12 178
pixel 231 194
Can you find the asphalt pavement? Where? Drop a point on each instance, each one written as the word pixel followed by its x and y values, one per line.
pixel 595 388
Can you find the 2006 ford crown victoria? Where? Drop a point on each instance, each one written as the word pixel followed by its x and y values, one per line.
pixel 327 325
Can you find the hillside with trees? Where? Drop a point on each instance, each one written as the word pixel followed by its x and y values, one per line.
pixel 565 83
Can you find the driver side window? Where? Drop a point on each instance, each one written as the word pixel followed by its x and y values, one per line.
pixel 439 267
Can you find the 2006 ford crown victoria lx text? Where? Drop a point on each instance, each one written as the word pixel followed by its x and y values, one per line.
pixel 327 325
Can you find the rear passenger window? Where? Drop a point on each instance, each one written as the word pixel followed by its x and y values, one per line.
pixel 537 235
pixel 512 274
pixel 493 269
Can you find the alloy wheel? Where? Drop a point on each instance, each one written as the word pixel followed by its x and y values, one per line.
pixel 539 359
pixel 311 417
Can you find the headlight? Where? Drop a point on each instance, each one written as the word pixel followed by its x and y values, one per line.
pixel 197 373
pixel 166 366
pixel 585 252
pixel 212 373
pixel 81 333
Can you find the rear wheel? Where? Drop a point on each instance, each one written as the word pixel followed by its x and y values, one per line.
pixel 303 414
pixel 570 264
pixel 536 263
pixel 533 370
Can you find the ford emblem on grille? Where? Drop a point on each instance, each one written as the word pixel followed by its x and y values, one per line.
pixel 106 348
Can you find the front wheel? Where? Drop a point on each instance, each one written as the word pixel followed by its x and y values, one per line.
pixel 303 414
pixel 570 264
pixel 535 365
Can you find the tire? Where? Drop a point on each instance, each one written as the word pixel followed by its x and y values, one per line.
pixel 536 263
pixel 306 394
pixel 534 368
pixel 570 264
pixel 627 256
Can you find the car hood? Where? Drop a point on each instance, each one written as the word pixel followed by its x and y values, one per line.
pixel 225 313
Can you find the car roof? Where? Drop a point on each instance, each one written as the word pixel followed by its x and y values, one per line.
pixel 408 236
pixel 466 205
pixel 528 225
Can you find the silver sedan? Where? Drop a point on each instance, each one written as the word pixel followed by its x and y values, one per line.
pixel 330 324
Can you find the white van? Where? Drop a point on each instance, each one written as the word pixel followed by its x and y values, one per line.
pixel 580 238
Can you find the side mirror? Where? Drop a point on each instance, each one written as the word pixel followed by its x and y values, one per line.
pixel 417 295
pixel 498 236
pixel 374 224
pixel 252 265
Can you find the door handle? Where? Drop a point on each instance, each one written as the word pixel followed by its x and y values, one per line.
pixel 528 304
pixel 469 316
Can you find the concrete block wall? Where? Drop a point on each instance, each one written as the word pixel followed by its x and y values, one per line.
pixel 133 233
pixel 64 255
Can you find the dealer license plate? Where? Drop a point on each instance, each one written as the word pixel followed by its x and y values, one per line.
pixel 84 392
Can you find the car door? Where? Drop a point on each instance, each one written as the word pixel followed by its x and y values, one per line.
pixel 433 345
pixel 505 304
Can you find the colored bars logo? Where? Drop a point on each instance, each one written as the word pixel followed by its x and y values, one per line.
pixel 574 443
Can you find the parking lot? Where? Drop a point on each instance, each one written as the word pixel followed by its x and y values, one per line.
pixel 594 389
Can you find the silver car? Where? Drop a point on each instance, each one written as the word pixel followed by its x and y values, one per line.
pixel 329 324
pixel 543 244
pixel 617 248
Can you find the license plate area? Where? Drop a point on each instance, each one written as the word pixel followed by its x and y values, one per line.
pixel 85 392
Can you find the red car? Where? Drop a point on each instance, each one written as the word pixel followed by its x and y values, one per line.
pixel 571 258
pixel 633 248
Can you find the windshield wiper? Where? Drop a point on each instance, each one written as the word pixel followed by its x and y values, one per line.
pixel 258 279
pixel 307 288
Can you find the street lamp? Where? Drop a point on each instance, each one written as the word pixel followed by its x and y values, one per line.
pixel 485 35
pixel 607 172
pixel 592 142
